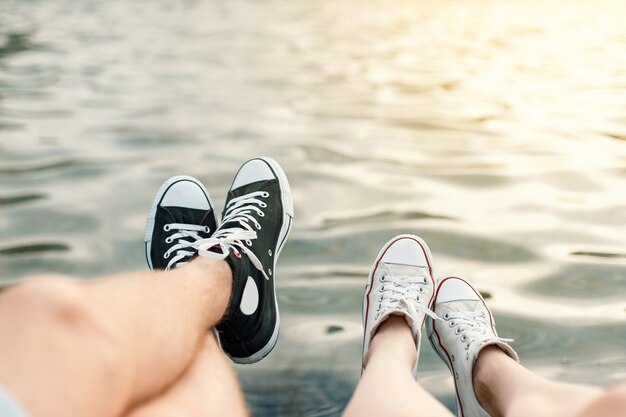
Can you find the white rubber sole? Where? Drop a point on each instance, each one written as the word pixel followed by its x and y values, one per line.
pixel 288 212
pixel 155 203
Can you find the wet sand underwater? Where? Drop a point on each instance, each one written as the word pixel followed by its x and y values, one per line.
pixel 495 130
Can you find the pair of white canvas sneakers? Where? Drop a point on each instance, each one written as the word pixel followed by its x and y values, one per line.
pixel 458 322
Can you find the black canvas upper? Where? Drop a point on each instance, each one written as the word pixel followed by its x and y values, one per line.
pixel 242 335
pixel 168 215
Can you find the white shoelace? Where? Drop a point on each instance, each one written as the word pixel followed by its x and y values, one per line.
pixel 183 248
pixel 403 292
pixel 471 327
pixel 237 239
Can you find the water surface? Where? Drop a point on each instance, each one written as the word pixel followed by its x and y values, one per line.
pixel 496 130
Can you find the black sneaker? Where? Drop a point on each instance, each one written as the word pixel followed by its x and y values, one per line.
pixel 181 214
pixel 255 224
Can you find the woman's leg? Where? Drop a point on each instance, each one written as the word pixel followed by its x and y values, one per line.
pixel 387 387
pixel 96 348
pixel 507 389
pixel 488 378
pixel 209 387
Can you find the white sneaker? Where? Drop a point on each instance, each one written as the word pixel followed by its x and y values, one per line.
pixel 464 328
pixel 400 283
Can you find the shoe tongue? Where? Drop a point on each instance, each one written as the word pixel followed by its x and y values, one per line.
pixel 230 225
pixel 186 215
pixel 459 306
pixel 403 270
pixel 247 188
pixel 216 249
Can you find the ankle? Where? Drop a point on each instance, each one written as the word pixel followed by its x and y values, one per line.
pixel 212 267
pixel 488 368
pixel 393 338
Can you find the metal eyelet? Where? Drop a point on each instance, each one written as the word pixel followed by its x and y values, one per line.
pixel 451 324
pixel 463 338
pixel 207 229
pixel 446 316
pixel 258 226
pixel 166 256
pixel 262 204
pixel 421 290
pixel 265 194
pixel 269 271
pixel 249 242
pixel 166 227
pixel 457 331
pixel 168 240
pixel 237 254
pixel 467 347
pixel 261 214
pixel 269 252
pixel 380 299
pixel 418 299
pixel 382 278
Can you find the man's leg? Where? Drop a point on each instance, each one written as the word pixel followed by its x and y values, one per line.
pixel 100 348
pixel 96 348
pixel 209 387
pixel 506 388
pixel 387 387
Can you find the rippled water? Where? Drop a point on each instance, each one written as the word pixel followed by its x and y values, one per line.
pixel 496 130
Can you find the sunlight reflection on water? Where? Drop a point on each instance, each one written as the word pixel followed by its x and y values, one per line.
pixel 494 129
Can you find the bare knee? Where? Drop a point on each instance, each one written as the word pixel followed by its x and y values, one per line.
pixel 57 310
pixel 55 300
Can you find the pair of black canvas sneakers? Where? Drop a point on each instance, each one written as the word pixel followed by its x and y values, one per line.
pixel 255 223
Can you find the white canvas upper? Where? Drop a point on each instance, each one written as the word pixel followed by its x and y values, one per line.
pixel 400 283
pixel 465 326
